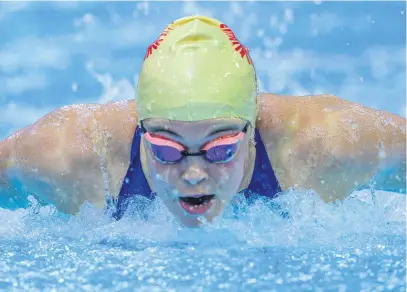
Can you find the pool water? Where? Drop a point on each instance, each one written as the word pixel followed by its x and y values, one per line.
pixel 357 245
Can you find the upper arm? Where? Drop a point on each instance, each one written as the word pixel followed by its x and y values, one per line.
pixel 50 158
pixel 328 144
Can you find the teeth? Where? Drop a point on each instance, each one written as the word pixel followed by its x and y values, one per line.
pixel 206 203
pixel 194 203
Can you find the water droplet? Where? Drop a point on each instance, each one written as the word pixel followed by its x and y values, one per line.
pixel 322 182
pixel 402 12
pixel 126 180
pixel 203 220
pixel 74 87
pixel 171 115
pixel 382 154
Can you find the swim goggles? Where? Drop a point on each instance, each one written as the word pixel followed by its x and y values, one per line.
pixel 220 150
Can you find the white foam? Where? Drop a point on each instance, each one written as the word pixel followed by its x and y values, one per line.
pixel 312 222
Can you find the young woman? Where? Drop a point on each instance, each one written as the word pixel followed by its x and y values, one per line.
pixel 198 134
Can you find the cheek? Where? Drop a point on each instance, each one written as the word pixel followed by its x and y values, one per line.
pixel 228 176
pixel 160 173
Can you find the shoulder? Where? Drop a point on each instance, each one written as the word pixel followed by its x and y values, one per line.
pixel 310 136
pixel 298 129
pixel 115 120
pixel 279 108
pixel 283 117
pixel 310 116
pixel 73 130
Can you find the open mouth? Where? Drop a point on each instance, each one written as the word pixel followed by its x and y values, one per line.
pixel 196 205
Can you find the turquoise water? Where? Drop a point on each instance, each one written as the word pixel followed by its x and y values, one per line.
pixel 359 245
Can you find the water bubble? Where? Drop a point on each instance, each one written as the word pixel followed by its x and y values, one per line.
pixel 149 106
pixel 203 220
pixel 402 12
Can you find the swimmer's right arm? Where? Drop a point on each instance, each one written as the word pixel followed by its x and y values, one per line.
pixel 53 160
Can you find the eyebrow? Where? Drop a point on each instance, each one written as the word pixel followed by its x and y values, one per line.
pixel 160 128
pixel 155 129
pixel 226 128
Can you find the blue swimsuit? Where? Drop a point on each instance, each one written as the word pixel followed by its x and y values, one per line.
pixel 263 183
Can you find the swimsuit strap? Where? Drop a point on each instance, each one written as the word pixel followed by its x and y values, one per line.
pixel 135 182
pixel 264 181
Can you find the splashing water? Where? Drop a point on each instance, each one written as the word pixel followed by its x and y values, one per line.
pixel 357 245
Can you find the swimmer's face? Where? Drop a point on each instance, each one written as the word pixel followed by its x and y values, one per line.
pixel 192 186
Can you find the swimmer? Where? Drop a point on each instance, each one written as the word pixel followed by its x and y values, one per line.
pixel 199 133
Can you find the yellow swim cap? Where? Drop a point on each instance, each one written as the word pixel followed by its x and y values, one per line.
pixel 197 70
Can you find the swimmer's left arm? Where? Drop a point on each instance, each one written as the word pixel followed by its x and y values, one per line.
pixel 333 146
pixel 376 140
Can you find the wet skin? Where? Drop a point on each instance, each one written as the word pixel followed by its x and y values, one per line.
pixel 194 176
pixel 324 143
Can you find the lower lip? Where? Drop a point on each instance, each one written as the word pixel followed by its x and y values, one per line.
pixel 196 210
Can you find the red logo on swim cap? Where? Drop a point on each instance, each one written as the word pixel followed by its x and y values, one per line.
pixel 157 43
pixel 244 52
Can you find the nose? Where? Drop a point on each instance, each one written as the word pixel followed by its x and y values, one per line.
pixel 194 175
